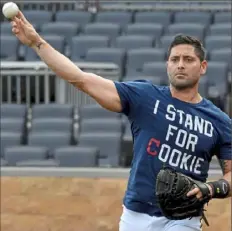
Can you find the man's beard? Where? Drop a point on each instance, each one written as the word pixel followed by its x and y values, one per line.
pixel 182 85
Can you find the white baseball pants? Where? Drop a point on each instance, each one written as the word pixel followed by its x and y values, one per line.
pixel 134 221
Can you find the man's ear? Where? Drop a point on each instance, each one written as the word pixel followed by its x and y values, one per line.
pixel 204 65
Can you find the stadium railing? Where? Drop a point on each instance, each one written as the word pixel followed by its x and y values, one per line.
pixel 34 82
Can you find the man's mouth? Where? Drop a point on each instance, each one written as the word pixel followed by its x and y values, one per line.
pixel 180 74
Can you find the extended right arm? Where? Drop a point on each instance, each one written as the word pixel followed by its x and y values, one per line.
pixel 99 88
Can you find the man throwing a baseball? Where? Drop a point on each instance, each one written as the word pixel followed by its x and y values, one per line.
pixel 172 126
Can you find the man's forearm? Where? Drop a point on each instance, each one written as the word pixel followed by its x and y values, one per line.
pixel 226 169
pixel 227 177
pixel 58 63
pixel 221 188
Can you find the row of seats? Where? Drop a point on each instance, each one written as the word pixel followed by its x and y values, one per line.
pixel 39 17
pixel 65 125
pixel 111 30
pixel 39 157
pixel 108 35
pixel 53 110
pixel 48 134
pixel 88 48
pixel 53 141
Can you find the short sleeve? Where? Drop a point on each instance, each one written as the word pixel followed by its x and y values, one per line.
pixel 225 147
pixel 131 94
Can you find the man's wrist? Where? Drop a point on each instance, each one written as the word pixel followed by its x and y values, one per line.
pixel 38 44
pixel 220 188
pixel 210 189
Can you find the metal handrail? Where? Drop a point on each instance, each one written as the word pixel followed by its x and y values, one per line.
pixel 26 81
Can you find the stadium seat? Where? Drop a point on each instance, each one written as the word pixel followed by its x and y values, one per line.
pixel 52 110
pixel 64 29
pixel 164 18
pixel 106 55
pixel 221 55
pixel 216 96
pixel 8 139
pixel 95 111
pixel 217 75
pixel 80 17
pixel 80 45
pixel 127 134
pixel 204 18
pixel 52 125
pixel 213 42
pixel 50 140
pixel 137 57
pixel 3 162
pixel 109 145
pixel 134 41
pixel 156 69
pixel 111 30
pixel 38 17
pixel 29 54
pixel 127 146
pixel 57 41
pixel 193 29
pixel 214 5
pixel 220 29
pixel 151 29
pixel 6 28
pixel 13 111
pixel 214 164
pixel 122 18
pixel 203 87
pixel 8 48
pixel 38 163
pixel 23 153
pixel 165 41
pixel 76 156
pixel 222 17
pixel 101 125
pixel 12 124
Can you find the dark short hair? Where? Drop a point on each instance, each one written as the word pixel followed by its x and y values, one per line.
pixel 190 40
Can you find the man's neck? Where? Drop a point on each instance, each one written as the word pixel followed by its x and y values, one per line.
pixel 189 95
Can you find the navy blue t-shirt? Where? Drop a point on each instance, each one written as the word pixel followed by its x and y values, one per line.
pixel 167 131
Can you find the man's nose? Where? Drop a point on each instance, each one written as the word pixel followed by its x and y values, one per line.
pixel 181 64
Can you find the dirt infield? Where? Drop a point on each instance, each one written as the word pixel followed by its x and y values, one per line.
pixel 70 204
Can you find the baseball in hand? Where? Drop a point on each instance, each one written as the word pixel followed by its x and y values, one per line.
pixel 10 10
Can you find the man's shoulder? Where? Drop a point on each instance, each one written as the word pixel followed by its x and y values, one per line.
pixel 216 113
pixel 149 84
pixel 142 84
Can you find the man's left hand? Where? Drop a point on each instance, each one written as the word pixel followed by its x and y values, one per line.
pixel 196 191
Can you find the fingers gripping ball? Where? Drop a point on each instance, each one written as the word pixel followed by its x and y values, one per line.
pixel 10 10
pixel 171 191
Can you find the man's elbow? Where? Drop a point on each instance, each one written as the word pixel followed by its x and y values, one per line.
pixel 79 81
